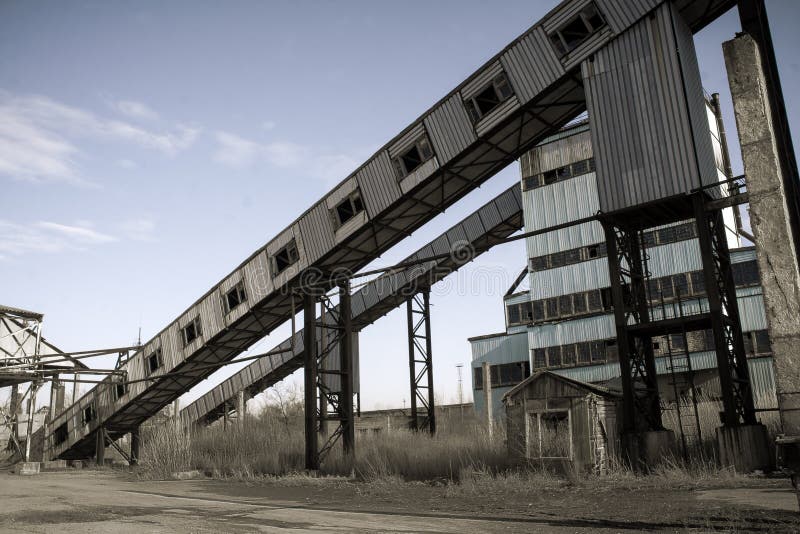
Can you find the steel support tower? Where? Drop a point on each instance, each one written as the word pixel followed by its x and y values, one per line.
pixel 420 362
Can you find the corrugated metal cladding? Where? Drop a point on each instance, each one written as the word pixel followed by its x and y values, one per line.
pixel 583 276
pixel 378 184
pixel 517 298
pixel 494 117
pixel 480 80
pixel 449 128
pixel 580 235
pixel 560 202
pixel 557 153
pixel 500 349
pixel 406 140
pixel 642 124
pixel 317 231
pixel 742 255
pixel 751 313
pixel 586 329
pixel 674 258
pixel 620 14
pixel 532 65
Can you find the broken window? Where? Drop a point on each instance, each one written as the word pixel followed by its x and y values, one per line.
pixel 577 29
pixel 234 297
pixel 491 96
pixel 745 274
pixel 348 208
pixel 153 362
pixel 191 331
pixel 61 434
pixel 580 167
pixel 584 352
pixel 698 282
pixel 554 356
pixel 579 303
pixel 477 373
pixel 285 257
pixel 565 305
pixel 568 354
pixel 539 358
pixel 413 157
pixel 513 314
pixel 538 310
pixel 762 342
pixel 552 307
pixel 120 389
pixel 89 414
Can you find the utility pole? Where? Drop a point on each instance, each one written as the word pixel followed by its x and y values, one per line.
pixel 459 367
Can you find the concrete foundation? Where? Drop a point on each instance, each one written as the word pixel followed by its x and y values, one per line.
pixel 28 468
pixel 643 450
pixel 745 448
pixel 54 465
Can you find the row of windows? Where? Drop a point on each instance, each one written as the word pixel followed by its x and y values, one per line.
pixel 558 175
pixel 584 353
pixel 576 30
pixel 756 343
pixel 651 238
pixel 504 374
pixel 595 301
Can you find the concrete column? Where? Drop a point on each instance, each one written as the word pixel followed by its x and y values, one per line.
pixel 487 395
pixel 241 408
pixel 31 412
pixel 56 397
pixel 136 444
pixel 14 406
pixel 770 219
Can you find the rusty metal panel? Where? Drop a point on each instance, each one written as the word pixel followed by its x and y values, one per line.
pixel 532 65
pixel 450 129
pixel 378 184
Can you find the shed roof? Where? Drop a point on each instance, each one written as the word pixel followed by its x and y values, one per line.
pixel 590 388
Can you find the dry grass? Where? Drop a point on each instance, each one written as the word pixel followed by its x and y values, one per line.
pixel 462 456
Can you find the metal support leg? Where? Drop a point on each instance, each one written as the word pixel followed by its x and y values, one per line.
pixel 136 445
pixel 310 381
pixel 346 355
pixel 420 362
pixel 734 375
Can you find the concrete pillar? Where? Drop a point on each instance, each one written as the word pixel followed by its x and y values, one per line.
pixel 56 397
pixel 31 412
pixel 100 447
pixel 241 408
pixel 136 444
pixel 14 406
pixel 487 395
pixel 770 219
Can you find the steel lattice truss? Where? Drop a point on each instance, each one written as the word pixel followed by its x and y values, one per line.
pixel 420 361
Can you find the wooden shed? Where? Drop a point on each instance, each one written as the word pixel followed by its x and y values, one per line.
pixel 557 420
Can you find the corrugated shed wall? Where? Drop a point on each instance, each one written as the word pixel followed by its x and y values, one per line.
pixel 560 202
pixel 315 226
pixel 517 298
pixel 674 258
pixel 622 13
pixel 378 184
pixel 592 274
pixel 641 121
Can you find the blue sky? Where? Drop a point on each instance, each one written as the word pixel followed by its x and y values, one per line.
pixel 147 148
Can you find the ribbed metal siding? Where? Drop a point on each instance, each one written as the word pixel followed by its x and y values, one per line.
pixel 449 128
pixel 586 329
pixel 641 130
pixel 378 184
pixel 674 258
pixel 317 231
pixel 500 349
pixel 569 279
pixel 517 299
pixel 751 313
pixel 560 202
pixel 532 65
pixel 620 14
pixel 580 235
pixel 557 153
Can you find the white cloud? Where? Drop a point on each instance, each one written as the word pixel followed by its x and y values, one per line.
pixel 236 151
pixel 135 110
pixel 269 125
pixel 48 237
pixel 39 138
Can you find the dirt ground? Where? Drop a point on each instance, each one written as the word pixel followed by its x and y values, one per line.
pixel 114 501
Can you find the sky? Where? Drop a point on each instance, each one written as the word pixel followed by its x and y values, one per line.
pixel 147 148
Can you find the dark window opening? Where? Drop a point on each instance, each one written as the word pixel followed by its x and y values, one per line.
pixel 568 354
pixel 154 361
pixel 539 358
pixel 191 331
pixel 120 389
pixel 413 157
pixel 61 434
pixel 89 414
pixel 477 373
pixel 584 353
pixel 538 310
pixel 491 96
pixel 762 342
pixel 552 307
pixel 576 30
pixel 579 303
pixel 348 208
pixel 565 305
pixel 234 297
pixel 513 314
pixel 554 356
pixel 285 257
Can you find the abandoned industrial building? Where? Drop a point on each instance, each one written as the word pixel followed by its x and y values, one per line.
pixel 656 284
